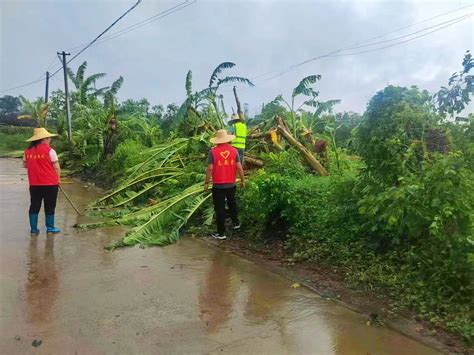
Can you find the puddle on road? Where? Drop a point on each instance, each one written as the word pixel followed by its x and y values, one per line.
pixel 74 296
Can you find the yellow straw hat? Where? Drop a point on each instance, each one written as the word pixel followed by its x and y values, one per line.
pixel 40 133
pixel 222 137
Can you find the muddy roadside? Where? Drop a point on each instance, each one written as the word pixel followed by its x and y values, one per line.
pixel 329 283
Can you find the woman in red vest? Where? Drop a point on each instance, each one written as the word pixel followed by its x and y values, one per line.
pixel 42 164
pixel 223 163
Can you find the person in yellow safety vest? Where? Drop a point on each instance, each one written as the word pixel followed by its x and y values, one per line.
pixel 238 128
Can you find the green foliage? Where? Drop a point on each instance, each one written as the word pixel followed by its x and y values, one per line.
pixel 272 109
pixel 286 163
pixel 398 218
pixel 416 197
pixel 390 137
pixel 301 122
pixel 85 86
pixel 13 140
pixel 304 87
pixel 159 194
pixel 127 155
pixel 10 105
pixel 234 79
pixel 399 221
pixel 462 138
pixel 109 94
pixel 189 83
pixel 218 70
pixel 346 123
pixel 435 202
pixel 301 209
pixel 36 110
pixel 132 107
pixel 86 91
pixel 454 98
pixel 319 219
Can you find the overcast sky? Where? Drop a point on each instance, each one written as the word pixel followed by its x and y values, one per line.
pixel 259 36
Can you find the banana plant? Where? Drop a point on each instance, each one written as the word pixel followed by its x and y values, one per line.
pixel 310 99
pixel 209 96
pixel 36 110
pixel 86 90
pixel 215 83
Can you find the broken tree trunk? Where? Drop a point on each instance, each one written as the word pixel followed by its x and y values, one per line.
pixel 312 161
pixel 237 102
pixel 253 161
pixel 272 135
pixel 259 135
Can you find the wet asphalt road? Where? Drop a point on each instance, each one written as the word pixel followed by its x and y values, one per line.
pixel 67 295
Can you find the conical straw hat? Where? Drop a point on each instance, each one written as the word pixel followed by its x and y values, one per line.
pixel 222 137
pixel 40 133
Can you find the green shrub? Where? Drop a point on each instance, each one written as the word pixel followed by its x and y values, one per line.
pixel 300 207
pixel 125 156
pixel 331 221
pixel 395 121
pixel 286 163
pixel 436 202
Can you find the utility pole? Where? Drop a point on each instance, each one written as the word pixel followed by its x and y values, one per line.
pixel 47 88
pixel 46 99
pixel 66 92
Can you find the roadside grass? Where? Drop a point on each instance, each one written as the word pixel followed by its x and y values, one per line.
pixel 12 141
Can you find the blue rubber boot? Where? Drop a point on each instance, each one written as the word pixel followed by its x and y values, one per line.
pixel 50 228
pixel 34 224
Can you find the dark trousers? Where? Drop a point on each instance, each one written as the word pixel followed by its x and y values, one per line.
pixel 47 193
pixel 241 152
pixel 220 196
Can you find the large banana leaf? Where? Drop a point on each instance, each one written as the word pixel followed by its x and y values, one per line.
pixel 218 70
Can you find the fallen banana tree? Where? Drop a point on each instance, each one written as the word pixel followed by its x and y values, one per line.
pixel 164 192
pixel 282 128
pixel 159 196
pixel 312 161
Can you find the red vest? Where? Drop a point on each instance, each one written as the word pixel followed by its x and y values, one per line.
pixel 40 168
pixel 225 164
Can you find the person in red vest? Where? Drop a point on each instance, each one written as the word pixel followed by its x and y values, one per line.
pixel 223 163
pixel 44 170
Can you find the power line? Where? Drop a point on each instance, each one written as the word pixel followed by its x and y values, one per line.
pixel 416 23
pixel 51 65
pixel 280 72
pixel 81 51
pixel 21 86
pixel 158 18
pixel 335 53
pixel 405 41
pixel 101 34
pixel 410 34
pixel 114 35
pixel 142 23
pixel 377 37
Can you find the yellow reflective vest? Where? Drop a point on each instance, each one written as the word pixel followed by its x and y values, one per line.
pixel 240 131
